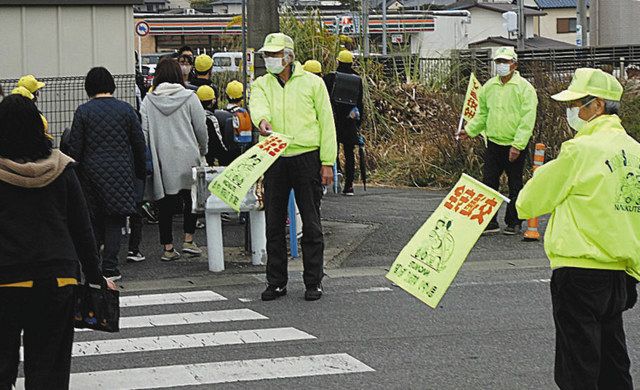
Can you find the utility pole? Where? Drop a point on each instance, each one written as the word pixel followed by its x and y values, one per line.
pixel 244 51
pixel 263 19
pixel 522 25
pixel 384 27
pixel 581 23
pixel 365 27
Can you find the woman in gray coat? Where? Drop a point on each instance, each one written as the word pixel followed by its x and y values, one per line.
pixel 174 124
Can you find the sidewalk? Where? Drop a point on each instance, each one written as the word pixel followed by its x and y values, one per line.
pixel 366 230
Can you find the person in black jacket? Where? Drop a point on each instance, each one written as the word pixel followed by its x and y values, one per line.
pixel 45 235
pixel 222 148
pixel 348 118
pixel 107 140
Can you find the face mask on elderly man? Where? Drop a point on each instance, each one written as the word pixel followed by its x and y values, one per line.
pixel 274 64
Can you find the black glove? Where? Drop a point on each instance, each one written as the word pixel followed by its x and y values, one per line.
pixel 632 292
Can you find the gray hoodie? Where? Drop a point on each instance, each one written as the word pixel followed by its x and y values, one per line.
pixel 174 124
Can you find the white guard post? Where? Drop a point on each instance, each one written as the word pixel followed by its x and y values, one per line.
pixel 214 207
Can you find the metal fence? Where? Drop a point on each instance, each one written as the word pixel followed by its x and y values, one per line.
pixel 551 64
pixel 61 96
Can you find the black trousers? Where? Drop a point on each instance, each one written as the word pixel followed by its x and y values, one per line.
pixel 349 165
pixel 167 206
pixel 108 231
pixel 135 224
pixel 496 162
pixel 591 350
pixel 45 314
pixel 302 174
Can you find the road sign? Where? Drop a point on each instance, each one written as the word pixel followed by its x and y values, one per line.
pixel 397 39
pixel 142 29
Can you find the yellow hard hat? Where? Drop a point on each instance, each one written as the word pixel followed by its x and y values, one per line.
pixel 30 83
pixel 22 91
pixel 203 63
pixel 346 57
pixel 313 66
pixel 276 42
pixel 206 93
pixel 505 53
pixel 591 82
pixel 235 89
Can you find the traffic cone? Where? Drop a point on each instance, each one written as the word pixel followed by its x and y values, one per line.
pixel 532 233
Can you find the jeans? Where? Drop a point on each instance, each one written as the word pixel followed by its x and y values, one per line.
pixel 496 162
pixel 45 314
pixel 302 174
pixel 591 350
pixel 168 205
pixel 108 231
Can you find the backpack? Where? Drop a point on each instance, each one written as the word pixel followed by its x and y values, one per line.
pixel 346 89
pixel 242 125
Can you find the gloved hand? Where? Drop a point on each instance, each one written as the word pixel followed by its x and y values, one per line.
pixel 632 292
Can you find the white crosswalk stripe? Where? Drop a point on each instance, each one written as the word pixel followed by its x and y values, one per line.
pixel 170 298
pixel 220 372
pixel 202 317
pixel 207 373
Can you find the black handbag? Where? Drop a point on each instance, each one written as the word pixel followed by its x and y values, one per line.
pixel 97 308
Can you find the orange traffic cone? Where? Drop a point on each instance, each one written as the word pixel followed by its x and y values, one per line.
pixel 532 233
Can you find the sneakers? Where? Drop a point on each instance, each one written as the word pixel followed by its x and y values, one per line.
pixel 135 257
pixel 492 228
pixel 200 224
pixel 149 214
pixel 348 191
pixel 112 275
pixel 313 293
pixel 273 292
pixel 511 230
pixel 191 248
pixel 171 255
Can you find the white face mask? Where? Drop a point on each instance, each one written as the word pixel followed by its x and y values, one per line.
pixel 186 69
pixel 503 69
pixel 573 117
pixel 274 65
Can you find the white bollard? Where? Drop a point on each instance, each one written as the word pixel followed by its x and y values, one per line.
pixel 258 237
pixel 215 245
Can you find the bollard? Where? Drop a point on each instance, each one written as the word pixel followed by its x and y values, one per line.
pixel 258 237
pixel 215 248
pixel 532 233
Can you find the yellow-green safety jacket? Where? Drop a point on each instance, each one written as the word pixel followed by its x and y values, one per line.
pixel 301 109
pixel 592 190
pixel 507 112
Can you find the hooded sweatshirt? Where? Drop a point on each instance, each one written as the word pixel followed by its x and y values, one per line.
pixel 45 229
pixel 174 124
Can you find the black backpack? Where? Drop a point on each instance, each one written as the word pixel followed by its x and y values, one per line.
pixel 346 89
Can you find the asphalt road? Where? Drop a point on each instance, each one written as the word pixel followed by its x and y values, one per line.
pixel 493 330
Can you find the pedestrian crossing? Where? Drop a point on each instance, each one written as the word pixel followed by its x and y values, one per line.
pixel 170 332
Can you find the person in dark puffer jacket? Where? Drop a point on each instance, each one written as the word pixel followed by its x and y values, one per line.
pixel 107 140
pixel 45 235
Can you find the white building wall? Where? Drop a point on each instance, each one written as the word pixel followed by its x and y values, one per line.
pixel 616 22
pixel 451 33
pixel 549 28
pixel 51 41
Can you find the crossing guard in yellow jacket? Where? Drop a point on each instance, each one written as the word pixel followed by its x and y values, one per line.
pixel 294 102
pixel 592 190
pixel 506 116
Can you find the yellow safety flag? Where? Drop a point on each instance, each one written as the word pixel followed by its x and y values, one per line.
pixel 427 265
pixel 471 101
pixel 232 185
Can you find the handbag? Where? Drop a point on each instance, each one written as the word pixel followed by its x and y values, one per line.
pixel 97 308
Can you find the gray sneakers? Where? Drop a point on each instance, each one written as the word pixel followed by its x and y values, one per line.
pixel 191 248
pixel 171 255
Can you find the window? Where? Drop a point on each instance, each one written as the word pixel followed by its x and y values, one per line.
pixel 238 61
pixel 568 25
pixel 222 61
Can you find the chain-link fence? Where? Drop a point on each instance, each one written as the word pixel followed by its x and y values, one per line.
pixel 61 96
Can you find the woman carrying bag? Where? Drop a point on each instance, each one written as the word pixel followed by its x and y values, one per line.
pixel 45 236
